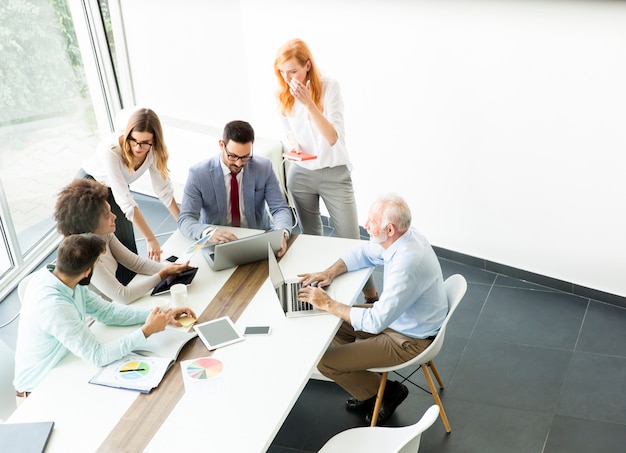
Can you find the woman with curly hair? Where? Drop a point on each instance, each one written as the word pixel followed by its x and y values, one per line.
pixel 122 159
pixel 82 207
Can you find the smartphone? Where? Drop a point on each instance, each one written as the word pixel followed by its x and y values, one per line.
pixel 257 330
pixel 171 259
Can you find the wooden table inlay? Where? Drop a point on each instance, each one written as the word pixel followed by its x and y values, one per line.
pixel 148 412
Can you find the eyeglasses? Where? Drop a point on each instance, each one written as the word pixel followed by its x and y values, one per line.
pixel 235 157
pixel 144 146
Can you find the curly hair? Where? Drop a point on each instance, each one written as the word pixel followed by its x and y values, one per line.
pixel 79 206
pixel 298 50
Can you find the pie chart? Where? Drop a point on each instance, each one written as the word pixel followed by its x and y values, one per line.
pixel 204 368
pixel 134 370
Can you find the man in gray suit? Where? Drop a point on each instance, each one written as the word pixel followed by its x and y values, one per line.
pixel 233 188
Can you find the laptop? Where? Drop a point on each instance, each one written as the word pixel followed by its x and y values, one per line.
pixel 25 437
pixel 287 291
pixel 242 251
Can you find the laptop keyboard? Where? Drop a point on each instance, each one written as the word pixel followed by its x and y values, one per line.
pixel 297 305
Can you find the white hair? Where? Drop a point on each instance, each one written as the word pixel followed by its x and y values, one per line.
pixel 395 211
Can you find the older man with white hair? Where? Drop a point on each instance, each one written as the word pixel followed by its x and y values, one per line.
pixel 398 327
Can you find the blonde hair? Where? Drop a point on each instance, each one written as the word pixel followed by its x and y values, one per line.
pixel 145 120
pixel 298 50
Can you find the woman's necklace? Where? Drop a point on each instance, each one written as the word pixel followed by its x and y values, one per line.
pixel 138 162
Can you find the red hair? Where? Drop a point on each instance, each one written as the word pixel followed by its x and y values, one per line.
pixel 298 50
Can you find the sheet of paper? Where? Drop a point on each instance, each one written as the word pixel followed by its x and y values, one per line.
pixel 193 248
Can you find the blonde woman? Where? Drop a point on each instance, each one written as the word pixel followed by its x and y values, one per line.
pixel 312 115
pixel 122 159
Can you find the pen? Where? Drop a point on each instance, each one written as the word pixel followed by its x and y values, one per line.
pixel 132 369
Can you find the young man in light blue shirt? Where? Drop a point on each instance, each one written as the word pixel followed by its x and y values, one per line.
pixel 55 308
pixel 398 327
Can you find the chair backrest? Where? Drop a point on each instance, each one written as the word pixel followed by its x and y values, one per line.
pixel 381 439
pixel 7 372
pixel 455 286
pixel 21 287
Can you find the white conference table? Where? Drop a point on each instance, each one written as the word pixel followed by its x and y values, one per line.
pixel 263 376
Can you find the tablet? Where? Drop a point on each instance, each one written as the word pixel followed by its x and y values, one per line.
pixel 218 332
pixel 184 277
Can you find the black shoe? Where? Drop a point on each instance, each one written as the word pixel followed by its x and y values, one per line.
pixel 354 404
pixel 395 393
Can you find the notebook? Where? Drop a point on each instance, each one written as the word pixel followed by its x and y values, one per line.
pixel 287 291
pixel 25 437
pixel 293 155
pixel 143 370
pixel 242 251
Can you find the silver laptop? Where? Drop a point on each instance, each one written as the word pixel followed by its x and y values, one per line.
pixel 242 251
pixel 287 291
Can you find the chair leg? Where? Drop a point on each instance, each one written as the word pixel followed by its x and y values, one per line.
pixel 442 412
pixel 432 366
pixel 379 398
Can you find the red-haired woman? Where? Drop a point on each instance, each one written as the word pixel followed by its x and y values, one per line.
pixel 312 115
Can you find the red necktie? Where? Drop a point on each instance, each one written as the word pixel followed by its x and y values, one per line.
pixel 234 200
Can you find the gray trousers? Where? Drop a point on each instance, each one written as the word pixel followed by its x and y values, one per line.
pixel 347 360
pixel 334 186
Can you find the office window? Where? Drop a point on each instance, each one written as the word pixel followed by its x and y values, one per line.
pixel 47 122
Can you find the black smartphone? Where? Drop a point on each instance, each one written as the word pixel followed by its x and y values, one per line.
pixel 172 259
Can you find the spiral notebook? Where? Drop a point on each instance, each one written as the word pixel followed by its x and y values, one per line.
pixel 144 369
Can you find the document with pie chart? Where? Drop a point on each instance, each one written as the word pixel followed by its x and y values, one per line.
pixel 144 369
pixel 133 372
pixel 205 374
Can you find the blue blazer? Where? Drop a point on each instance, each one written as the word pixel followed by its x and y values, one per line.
pixel 204 198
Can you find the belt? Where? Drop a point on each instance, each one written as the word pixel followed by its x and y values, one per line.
pixel 22 394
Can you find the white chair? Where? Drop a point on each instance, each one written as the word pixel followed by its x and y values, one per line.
pixel 7 372
pixel 380 439
pixel 455 285
pixel 21 287
pixel 7 365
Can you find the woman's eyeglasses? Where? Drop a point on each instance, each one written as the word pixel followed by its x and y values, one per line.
pixel 144 146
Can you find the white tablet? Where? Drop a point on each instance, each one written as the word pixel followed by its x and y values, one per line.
pixel 218 332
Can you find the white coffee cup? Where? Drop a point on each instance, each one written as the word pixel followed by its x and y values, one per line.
pixel 178 293
pixel 162 302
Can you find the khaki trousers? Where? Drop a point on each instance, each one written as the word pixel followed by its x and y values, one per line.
pixel 347 360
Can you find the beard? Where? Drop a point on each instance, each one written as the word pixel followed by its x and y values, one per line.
pixel 85 281
pixel 382 237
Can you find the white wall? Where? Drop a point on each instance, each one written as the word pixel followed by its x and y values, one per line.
pixel 501 122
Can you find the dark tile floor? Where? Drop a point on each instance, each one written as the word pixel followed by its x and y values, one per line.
pixel 526 368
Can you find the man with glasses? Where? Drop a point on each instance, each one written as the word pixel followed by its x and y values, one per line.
pixel 233 188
